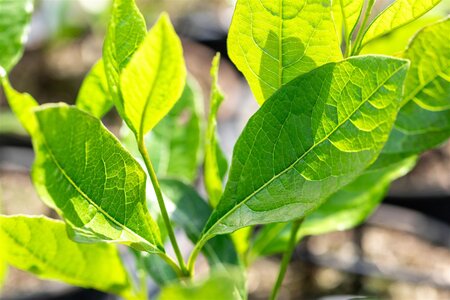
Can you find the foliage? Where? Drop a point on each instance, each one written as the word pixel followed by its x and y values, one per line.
pixel 335 128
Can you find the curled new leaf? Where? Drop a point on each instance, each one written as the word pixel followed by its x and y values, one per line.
pixel 84 173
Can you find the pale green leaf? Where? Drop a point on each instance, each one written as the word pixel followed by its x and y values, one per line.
pixel 175 144
pixel 40 246
pixel 346 14
pixel 345 209
pixel 217 286
pixel 424 119
pixel 213 153
pixel 15 16
pixel 396 15
pixel 126 31
pixel 311 138
pixel 97 187
pixel 154 79
pixel 273 42
pixel 94 96
pixel 22 104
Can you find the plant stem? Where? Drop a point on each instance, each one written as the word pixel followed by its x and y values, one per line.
pixel 362 30
pixel 286 258
pixel 193 257
pixel 162 206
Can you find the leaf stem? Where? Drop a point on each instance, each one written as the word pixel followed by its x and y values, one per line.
pixel 286 258
pixel 162 206
pixel 193 257
pixel 362 30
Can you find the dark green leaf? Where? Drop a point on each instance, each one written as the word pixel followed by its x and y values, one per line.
pixel 314 136
pixel 84 173
pixel 15 16
pixel 273 42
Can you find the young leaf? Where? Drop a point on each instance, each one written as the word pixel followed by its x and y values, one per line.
pixel 175 143
pixel 213 154
pixel 398 14
pixel 15 16
pixel 346 14
pixel 126 31
pixel 273 42
pixel 84 173
pixel 94 96
pixel 311 138
pixel 40 246
pixel 345 209
pixel 424 119
pixel 154 79
pixel 22 104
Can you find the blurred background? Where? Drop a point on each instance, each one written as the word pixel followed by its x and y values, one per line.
pixel 402 252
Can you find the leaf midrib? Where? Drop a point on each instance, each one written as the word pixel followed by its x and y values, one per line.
pixel 91 202
pixel 206 234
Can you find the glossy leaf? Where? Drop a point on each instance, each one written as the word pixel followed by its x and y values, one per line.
pixel 175 144
pixel 40 246
pixel 398 14
pixel 345 209
pixel 126 31
pixel 22 104
pixel 94 96
pixel 314 136
pixel 154 79
pixel 15 16
pixel 273 42
pixel 213 153
pixel 97 187
pixel 424 119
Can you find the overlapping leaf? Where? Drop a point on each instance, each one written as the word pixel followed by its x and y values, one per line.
pixel 14 18
pixel 40 246
pixel 215 162
pixel 98 188
pixel 94 96
pixel 398 14
pixel 314 136
pixel 273 42
pixel 346 14
pixel 154 79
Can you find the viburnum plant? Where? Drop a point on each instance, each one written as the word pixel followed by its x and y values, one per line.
pixel 334 129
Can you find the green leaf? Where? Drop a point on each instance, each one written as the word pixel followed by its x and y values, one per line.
pixel 311 138
pixel 15 16
pixel 345 209
pixel 273 42
pixel 176 142
pixel 126 31
pixel 40 246
pixel 213 154
pixel 94 96
pixel 22 104
pixel 424 118
pixel 398 14
pixel 83 172
pixel 346 14
pixel 217 286
pixel 154 79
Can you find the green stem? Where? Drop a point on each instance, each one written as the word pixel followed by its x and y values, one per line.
pixel 286 258
pixel 162 206
pixel 362 30
pixel 193 257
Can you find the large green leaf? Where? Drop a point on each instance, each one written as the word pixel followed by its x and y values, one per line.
pixel 126 31
pixel 345 209
pixel 40 246
pixel 96 185
pixel 273 42
pixel 398 14
pixel 311 138
pixel 424 119
pixel 214 158
pixel 154 79
pixel 175 144
pixel 14 18
pixel 22 104
pixel 94 96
